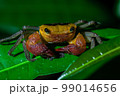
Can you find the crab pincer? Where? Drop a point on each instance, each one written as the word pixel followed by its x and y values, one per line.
pixel 75 47
pixel 71 49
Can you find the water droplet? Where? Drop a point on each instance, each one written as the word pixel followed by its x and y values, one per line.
pixel 73 61
pixel 72 70
pixel 66 74
pixel 21 60
pixel 82 64
pixel 93 57
pixel 75 68
pixel 101 53
pixel 62 75
pixel 69 72
pixel 87 60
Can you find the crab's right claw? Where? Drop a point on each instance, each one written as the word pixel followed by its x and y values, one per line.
pixel 72 49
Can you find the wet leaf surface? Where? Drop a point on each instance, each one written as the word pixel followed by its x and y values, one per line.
pixel 92 59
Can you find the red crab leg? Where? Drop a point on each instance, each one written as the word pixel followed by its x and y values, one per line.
pixel 75 47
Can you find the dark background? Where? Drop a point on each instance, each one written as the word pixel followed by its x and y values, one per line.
pixel 37 12
pixel 14 14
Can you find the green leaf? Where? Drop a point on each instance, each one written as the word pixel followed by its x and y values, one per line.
pixel 19 68
pixel 95 57
pixel 108 33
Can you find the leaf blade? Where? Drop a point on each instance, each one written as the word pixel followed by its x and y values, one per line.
pixel 108 33
pixel 19 68
pixel 103 53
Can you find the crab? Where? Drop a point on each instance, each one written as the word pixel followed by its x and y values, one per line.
pixel 36 38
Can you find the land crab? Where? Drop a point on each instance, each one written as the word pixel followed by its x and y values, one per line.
pixel 37 38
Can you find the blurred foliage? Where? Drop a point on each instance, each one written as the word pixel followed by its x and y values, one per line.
pixel 117 6
pixel 37 12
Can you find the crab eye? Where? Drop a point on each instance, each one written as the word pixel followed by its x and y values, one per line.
pixel 47 31
pixel 72 29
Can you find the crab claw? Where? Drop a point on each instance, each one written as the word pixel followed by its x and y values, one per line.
pixel 49 53
pixel 72 49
